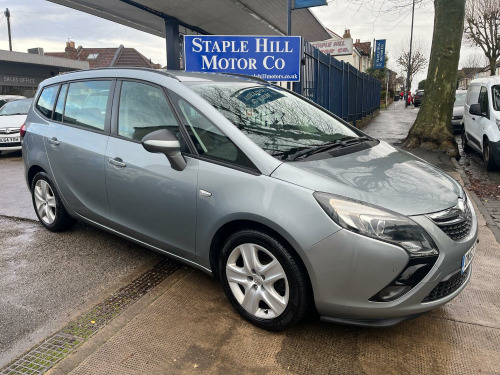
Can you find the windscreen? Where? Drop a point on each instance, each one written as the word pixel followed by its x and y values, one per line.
pixel 17 107
pixel 273 118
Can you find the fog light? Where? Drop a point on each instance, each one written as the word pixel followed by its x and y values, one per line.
pixel 414 272
pixel 392 292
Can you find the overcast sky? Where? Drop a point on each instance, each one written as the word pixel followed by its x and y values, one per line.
pixel 39 23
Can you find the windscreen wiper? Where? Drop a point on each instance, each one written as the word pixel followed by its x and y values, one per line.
pixel 290 151
pixel 328 146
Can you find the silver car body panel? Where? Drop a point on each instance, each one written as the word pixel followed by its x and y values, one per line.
pixel 382 175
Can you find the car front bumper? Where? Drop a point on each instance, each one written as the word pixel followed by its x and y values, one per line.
pixel 347 269
pixel 456 124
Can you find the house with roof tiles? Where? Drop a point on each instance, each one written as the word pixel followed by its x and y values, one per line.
pixel 105 57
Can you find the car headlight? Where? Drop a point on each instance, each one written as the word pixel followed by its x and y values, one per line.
pixel 378 223
pixel 498 123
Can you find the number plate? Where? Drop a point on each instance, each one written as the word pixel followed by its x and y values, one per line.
pixel 10 140
pixel 467 258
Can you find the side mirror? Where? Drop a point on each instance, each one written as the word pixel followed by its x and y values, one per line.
pixel 164 141
pixel 475 109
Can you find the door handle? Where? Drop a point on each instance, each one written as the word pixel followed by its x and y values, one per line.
pixel 53 141
pixel 117 162
pixel 474 118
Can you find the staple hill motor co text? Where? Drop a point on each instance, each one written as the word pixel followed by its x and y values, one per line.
pixel 262 45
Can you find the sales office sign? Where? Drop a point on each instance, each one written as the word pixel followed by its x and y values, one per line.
pixel 273 58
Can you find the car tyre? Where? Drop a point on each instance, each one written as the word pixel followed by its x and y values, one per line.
pixel 263 281
pixel 465 143
pixel 48 205
pixel 489 162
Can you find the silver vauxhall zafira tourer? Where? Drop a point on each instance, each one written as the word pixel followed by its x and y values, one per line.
pixel 289 206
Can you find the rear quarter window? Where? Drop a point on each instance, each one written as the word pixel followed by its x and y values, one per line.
pixel 45 102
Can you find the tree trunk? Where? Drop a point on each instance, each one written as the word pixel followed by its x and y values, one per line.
pixel 493 62
pixel 432 128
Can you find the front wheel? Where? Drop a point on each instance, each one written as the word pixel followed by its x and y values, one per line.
pixel 48 206
pixel 489 162
pixel 465 144
pixel 263 281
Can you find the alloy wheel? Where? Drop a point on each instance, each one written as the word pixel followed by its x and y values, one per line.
pixel 257 280
pixel 45 201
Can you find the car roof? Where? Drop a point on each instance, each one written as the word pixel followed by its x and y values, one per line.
pixel 491 80
pixel 178 75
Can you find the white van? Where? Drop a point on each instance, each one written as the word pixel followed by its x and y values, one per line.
pixel 482 120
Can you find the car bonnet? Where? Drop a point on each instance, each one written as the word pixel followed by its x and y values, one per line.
pixel 382 175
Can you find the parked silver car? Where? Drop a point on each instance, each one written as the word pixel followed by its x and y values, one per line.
pixel 457 122
pixel 289 206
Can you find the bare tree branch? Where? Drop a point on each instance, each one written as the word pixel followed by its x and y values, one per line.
pixel 474 60
pixel 418 58
pixel 482 21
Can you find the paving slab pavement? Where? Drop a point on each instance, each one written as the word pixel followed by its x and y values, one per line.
pixel 190 328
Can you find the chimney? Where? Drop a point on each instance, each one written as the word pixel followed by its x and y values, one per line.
pixel 357 40
pixel 70 50
pixel 347 33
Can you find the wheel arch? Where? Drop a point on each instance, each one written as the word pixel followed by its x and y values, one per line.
pixel 485 139
pixel 32 171
pixel 233 226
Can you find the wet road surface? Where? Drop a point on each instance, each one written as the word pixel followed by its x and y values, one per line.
pixel 392 126
pixel 45 275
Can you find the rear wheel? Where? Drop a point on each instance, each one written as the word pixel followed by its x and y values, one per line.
pixel 263 281
pixel 489 162
pixel 48 206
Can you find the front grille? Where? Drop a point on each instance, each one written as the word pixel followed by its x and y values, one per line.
pixel 10 144
pixel 445 288
pixel 456 222
pixel 9 130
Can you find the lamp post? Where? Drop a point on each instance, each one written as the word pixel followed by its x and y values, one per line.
pixel 7 15
pixel 408 88
pixel 289 18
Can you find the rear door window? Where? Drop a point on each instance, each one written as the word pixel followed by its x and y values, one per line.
pixel 45 102
pixel 87 103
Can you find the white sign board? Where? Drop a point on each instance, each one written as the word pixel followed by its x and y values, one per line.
pixel 335 47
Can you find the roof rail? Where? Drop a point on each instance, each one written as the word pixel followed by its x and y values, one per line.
pixel 159 71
